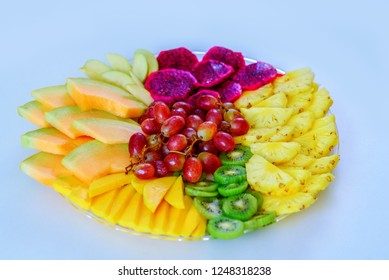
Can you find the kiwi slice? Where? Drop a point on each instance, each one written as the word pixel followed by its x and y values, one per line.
pixel 241 207
pixel 191 191
pixel 261 220
pixel 239 156
pixel 257 195
pixel 208 207
pixel 230 174
pixel 233 188
pixel 206 185
pixel 225 228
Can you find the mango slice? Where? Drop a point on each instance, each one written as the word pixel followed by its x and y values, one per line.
pixel 155 190
pixel 175 195
pixel 108 183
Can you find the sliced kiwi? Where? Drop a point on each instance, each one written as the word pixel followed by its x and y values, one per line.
pixel 205 185
pixel 241 207
pixel 195 192
pixel 257 195
pixel 232 188
pixel 229 174
pixel 239 156
pixel 261 220
pixel 225 228
pixel 208 207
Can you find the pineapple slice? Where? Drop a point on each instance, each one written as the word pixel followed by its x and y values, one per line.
pixel 318 123
pixel 324 164
pixel 294 82
pixel 284 134
pixel 250 98
pixel 319 142
pixel 268 179
pixel 278 100
pixel 299 160
pixel 267 117
pixel 302 122
pixel 276 152
pixel 301 175
pixel 286 205
pixel 261 135
pixel 300 102
pixel 317 183
pixel 321 103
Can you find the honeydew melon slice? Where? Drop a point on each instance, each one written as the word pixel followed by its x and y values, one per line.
pixel 139 66
pixel 93 68
pixel 44 167
pixel 53 96
pixel 152 62
pixel 95 159
pixel 119 62
pixel 51 140
pixel 89 94
pixel 34 112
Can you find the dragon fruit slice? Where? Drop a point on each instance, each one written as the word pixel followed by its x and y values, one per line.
pixel 179 58
pixel 234 59
pixel 255 75
pixel 170 85
pixel 193 98
pixel 211 72
pixel 229 91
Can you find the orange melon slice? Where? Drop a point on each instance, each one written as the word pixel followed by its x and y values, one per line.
pixel 51 140
pixel 95 159
pixel 90 94
pixel 34 112
pixel 53 97
pixel 44 167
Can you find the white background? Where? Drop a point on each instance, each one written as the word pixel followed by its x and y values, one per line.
pixel 344 42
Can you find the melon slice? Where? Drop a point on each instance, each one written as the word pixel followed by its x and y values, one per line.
pixel 106 130
pixel 34 112
pixel 91 94
pixel 53 97
pixel 44 167
pixel 95 159
pixel 63 117
pixel 51 140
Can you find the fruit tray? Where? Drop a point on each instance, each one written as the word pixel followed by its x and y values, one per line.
pixel 264 148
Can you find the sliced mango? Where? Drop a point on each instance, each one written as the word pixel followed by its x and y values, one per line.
pixel 101 204
pixel 175 227
pixel 131 214
pixel 192 220
pixel 139 184
pixel 79 196
pixel 108 183
pixel 175 195
pixel 161 215
pixel 120 203
pixel 145 219
pixel 64 185
pixel 155 190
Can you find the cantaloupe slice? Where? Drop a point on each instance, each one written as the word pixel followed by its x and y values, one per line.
pixel 53 96
pixel 52 141
pixel 120 203
pixel 108 183
pixel 90 94
pixel 34 112
pixel 175 195
pixel 106 130
pixel 95 159
pixel 101 204
pixel 64 185
pixel 44 167
pixel 155 190
pixel 63 117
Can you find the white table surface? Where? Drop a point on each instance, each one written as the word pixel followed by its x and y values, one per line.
pixel 346 44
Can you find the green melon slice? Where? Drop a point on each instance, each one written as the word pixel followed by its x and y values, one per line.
pixel 51 140
pixel 95 159
pixel 44 167
pixel 53 97
pixel 107 131
pixel 34 112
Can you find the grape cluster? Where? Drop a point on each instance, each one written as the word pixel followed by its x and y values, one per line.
pixel 185 138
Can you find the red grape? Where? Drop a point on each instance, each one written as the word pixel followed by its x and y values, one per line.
pixel 172 126
pixel 225 126
pixel 209 161
pixel 228 105
pixel 192 169
pixel 189 133
pixel 154 142
pixel 193 121
pixel 160 168
pixel 207 131
pixel 215 116
pixel 164 150
pixel 179 112
pixel 150 126
pixel 161 112
pixel 208 146
pixel 231 114
pixel 174 161
pixel 152 156
pixel 186 106
pixel 136 144
pixel 207 102
pixel 239 126
pixel 144 171
pixel 177 142
pixel 199 113
pixel 224 142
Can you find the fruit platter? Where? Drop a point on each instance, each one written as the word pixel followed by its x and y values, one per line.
pixel 183 145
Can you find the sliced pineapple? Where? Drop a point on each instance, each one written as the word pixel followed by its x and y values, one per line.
pixel 267 117
pixel 299 160
pixel 324 164
pixel 284 134
pixel 302 122
pixel 268 178
pixel 317 183
pixel 294 82
pixel 278 100
pixel 321 103
pixel 287 204
pixel 264 134
pixel 301 175
pixel 300 102
pixel 250 98
pixel 323 121
pixel 276 152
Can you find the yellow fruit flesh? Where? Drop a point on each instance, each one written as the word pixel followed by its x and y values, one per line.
pixel 175 195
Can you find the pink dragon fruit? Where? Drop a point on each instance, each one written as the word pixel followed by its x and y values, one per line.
pixel 170 85
pixel 179 58
pixel 255 75
pixel 227 56
pixel 211 72
pixel 229 91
